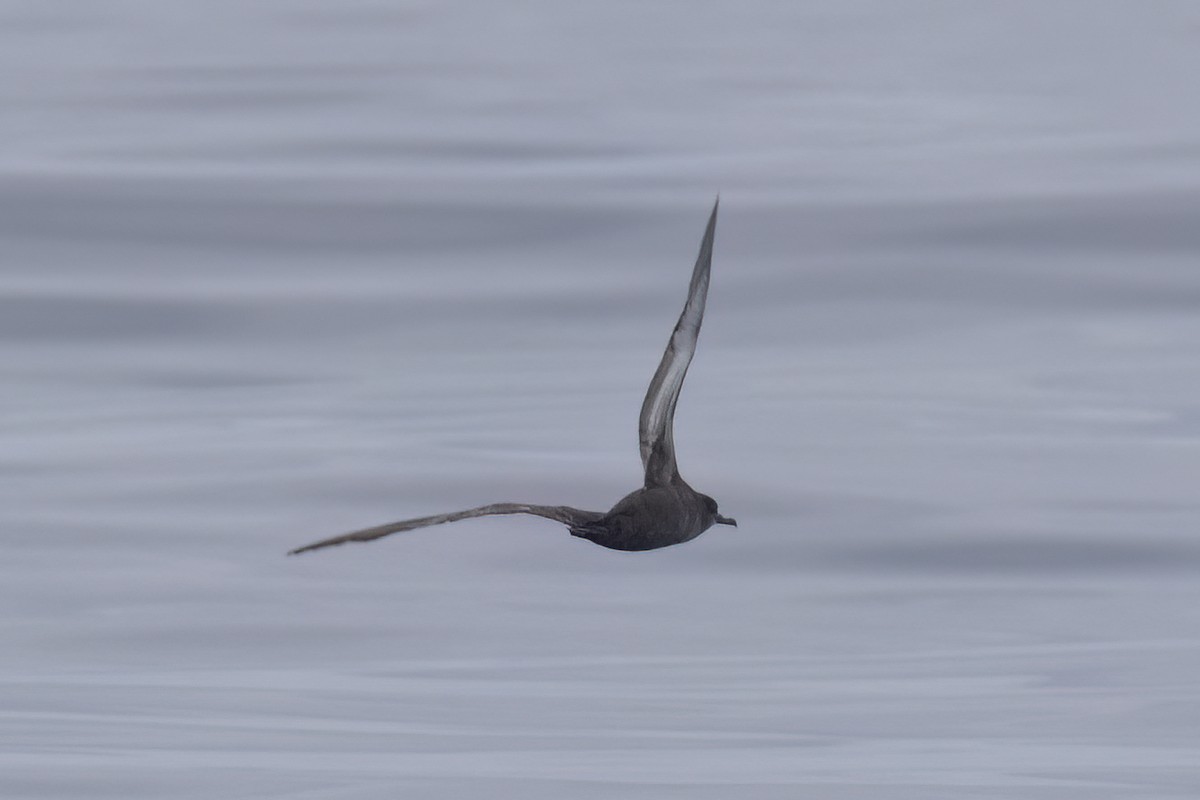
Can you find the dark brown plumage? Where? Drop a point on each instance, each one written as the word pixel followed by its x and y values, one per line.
pixel 666 510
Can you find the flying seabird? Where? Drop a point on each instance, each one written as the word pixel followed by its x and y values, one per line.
pixel 666 510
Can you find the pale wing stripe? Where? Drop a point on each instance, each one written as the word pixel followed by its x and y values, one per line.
pixel 656 425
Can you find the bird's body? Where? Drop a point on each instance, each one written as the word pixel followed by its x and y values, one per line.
pixel 666 510
pixel 647 519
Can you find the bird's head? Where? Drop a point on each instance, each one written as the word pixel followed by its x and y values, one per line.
pixel 711 506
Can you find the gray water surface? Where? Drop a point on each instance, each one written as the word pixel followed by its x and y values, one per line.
pixel 270 271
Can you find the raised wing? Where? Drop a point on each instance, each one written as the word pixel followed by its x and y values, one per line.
pixel 564 514
pixel 656 425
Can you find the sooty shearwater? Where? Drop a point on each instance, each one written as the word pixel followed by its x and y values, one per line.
pixel 666 510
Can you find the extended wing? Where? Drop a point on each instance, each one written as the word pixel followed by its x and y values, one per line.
pixel 656 425
pixel 564 514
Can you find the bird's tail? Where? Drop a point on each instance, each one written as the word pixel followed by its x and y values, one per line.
pixel 590 530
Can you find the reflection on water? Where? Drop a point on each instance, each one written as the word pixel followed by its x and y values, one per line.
pixel 271 270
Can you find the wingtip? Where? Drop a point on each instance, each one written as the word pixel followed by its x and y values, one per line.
pixel 712 218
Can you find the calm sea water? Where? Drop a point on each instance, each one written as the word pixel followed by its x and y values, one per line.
pixel 274 270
